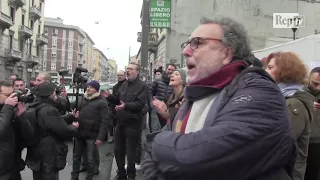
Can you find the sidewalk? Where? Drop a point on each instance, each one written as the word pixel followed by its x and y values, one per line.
pixel 114 171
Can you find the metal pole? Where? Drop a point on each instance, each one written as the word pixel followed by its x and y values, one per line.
pixel 294 32
pixel 145 37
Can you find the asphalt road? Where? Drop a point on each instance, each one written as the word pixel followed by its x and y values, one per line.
pixel 65 174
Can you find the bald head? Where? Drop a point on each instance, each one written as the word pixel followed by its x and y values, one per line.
pixel 43 77
pixel 121 76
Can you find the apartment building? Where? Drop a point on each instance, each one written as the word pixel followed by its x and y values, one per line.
pixel 255 15
pixel 88 53
pixel 99 65
pixel 22 37
pixel 112 70
pixel 67 48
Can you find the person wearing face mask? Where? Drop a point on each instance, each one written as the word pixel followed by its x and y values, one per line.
pixel 313 160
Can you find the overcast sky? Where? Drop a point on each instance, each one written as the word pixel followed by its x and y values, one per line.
pixel 119 22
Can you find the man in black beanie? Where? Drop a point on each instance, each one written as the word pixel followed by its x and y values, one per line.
pixel 48 152
pixel 94 121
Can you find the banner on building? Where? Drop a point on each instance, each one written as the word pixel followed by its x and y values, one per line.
pixel 160 13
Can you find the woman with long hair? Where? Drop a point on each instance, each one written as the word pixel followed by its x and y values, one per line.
pixel 289 72
pixel 169 109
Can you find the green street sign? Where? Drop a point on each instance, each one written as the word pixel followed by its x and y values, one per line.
pixel 160 13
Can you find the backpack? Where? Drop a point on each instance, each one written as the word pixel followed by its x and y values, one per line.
pixel 32 116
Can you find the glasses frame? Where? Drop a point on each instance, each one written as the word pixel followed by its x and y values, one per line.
pixel 197 39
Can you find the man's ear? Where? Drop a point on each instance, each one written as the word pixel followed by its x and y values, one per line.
pixel 228 55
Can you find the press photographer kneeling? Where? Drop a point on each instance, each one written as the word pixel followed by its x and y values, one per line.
pixel 14 127
pixel 47 151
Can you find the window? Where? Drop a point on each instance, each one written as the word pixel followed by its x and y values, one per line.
pixel 69 67
pixel 53 55
pixel 39 29
pixel 22 19
pixel 12 13
pixel 54 43
pixel 54 31
pixel 46 30
pixel 64 43
pixel 31 24
pixel 70 54
pixel 21 44
pixel 38 51
pixel 70 44
pixel 44 64
pixel 53 67
pixel 10 41
pixel 32 3
pixel 30 48
pixel 45 52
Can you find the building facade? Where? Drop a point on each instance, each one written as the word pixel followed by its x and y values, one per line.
pixel 112 70
pixel 88 54
pixel 22 38
pixel 67 48
pixel 255 15
pixel 100 65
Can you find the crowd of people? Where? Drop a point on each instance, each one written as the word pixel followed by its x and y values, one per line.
pixel 226 116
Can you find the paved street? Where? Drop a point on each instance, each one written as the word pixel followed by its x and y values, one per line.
pixel 105 165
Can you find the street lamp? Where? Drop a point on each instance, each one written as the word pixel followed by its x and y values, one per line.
pixel 294 32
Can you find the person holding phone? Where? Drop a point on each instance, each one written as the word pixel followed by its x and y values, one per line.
pixel 313 160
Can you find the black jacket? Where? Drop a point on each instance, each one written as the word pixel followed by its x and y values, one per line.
pixel 12 132
pixel 134 94
pixel 160 88
pixel 93 117
pixel 53 130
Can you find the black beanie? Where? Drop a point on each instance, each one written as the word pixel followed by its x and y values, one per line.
pixel 44 89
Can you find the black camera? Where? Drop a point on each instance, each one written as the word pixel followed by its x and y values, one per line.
pixel 78 78
pixel 63 72
pixel 24 97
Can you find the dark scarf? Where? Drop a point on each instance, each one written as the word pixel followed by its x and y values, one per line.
pixel 205 87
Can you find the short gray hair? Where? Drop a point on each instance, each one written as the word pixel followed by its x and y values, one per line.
pixel 234 35
pixel 46 76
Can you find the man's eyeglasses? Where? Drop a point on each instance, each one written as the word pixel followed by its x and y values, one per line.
pixel 196 41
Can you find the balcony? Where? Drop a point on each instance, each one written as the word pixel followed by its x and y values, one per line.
pixel 32 60
pixel 153 40
pixel 5 21
pixel 81 42
pixel 17 3
pixel 13 55
pixel 35 13
pixel 42 39
pixel 25 32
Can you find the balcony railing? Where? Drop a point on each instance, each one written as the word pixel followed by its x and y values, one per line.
pixel 17 3
pixel 13 54
pixel 5 21
pixel 35 12
pixel 25 31
pixel 34 60
pixel 42 39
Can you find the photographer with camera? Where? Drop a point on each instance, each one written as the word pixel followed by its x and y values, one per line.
pixel 47 154
pixel 14 128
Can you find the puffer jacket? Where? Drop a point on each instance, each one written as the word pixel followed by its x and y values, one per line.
pixel 160 88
